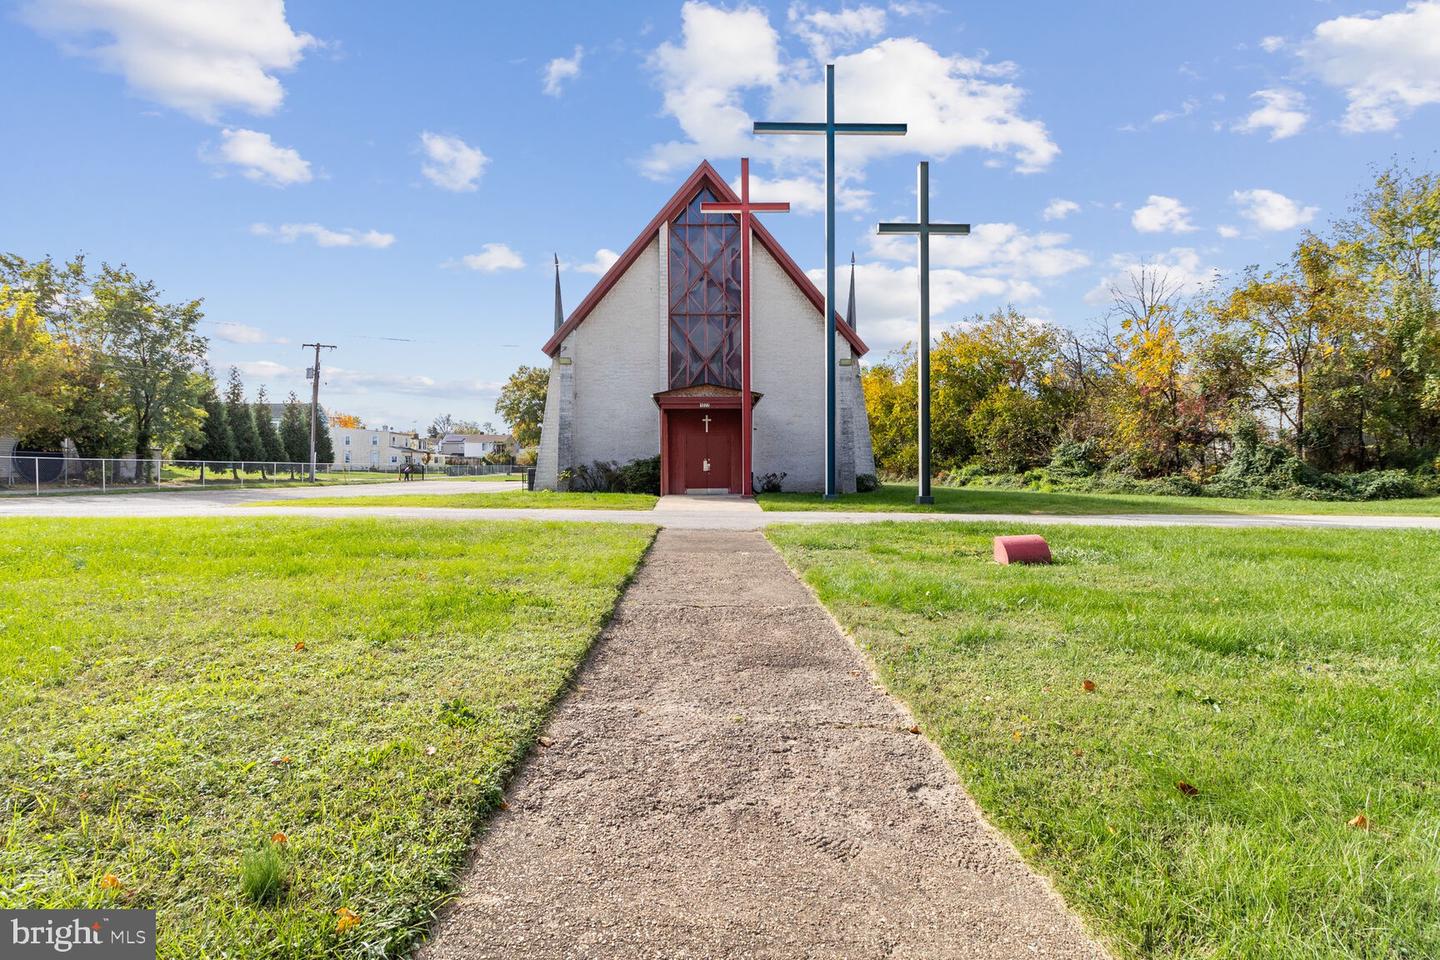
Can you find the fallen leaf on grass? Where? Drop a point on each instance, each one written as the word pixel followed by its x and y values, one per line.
pixel 279 837
pixel 1359 822
pixel 429 751
pixel 1079 753
pixel 279 761
pixel 109 882
pixel 1189 790
pixel 347 919
pixel 299 645
pixel 1017 735
pixel 1088 686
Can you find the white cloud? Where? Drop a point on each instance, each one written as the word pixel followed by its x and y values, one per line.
pixel 259 158
pixel 1058 209
pixel 451 163
pixel 806 194
pixel 828 30
pixel 1185 109
pixel 951 103
pixel 923 9
pixel 997 262
pixel 1386 65
pixel 323 236
pixel 232 332
pixel 1182 268
pixel 345 382
pixel 1281 111
pixel 887 308
pixel 560 69
pixel 993 249
pixel 603 260
pixel 198 56
pixel 1269 210
pixel 1271 43
pixel 268 369
pixel 1162 215
pixel 492 258
pixel 1227 231
pixel 721 53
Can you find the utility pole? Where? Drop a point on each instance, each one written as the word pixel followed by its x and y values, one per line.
pixel 315 398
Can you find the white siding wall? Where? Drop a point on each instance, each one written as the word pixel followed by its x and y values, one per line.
pixel 619 360
pixel 619 364
pixel 788 367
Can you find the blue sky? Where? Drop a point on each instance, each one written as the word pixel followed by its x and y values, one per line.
pixel 393 178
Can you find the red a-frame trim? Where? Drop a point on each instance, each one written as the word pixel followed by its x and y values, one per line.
pixel 704 176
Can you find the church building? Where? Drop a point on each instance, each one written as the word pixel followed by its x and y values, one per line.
pixel 650 362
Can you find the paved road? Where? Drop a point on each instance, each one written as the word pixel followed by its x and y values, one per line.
pixel 729 780
pixel 686 513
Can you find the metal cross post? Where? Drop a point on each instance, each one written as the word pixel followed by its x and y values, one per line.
pixel 745 209
pixel 924 229
pixel 829 129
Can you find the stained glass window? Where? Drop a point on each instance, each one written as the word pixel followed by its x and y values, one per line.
pixel 704 297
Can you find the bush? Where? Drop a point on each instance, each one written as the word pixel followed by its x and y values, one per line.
pixel 1122 465
pixel 639 476
pixel 964 476
pixel 768 483
pixel 1258 466
pixel 1386 485
pixel 1075 459
pixel 607 476
pixel 599 477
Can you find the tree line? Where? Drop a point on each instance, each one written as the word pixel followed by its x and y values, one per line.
pixel 101 360
pixel 1319 376
pixel 238 434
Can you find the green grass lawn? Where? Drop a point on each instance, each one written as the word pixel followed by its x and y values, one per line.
pixel 506 499
pixel 172 478
pixel 901 497
pixel 159 724
pixel 1291 677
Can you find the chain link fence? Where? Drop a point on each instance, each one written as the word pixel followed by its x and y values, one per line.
pixel 37 474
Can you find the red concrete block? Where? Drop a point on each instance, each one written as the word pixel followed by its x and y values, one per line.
pixel 1027 548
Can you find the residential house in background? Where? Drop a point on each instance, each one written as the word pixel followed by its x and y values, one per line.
pixel 383 449
pixel 473 447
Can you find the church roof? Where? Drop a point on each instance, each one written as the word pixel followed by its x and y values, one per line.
pixel 704 176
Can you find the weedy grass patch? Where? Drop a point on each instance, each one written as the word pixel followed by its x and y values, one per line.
pixel 279 733
pixel 1219 743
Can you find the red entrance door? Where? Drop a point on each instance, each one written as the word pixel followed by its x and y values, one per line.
pixel 704 450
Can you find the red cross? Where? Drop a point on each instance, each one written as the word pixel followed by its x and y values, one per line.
pixel 745 209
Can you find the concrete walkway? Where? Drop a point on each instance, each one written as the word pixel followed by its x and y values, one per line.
pixel 683 513
pixel 727 780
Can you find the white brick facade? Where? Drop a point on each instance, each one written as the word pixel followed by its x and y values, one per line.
pixel 606 370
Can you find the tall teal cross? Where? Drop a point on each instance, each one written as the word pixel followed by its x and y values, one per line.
pixel 924 229
pixel 829 128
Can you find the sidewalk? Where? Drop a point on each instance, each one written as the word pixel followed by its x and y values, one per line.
pixel 727 780
pixel 684 513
